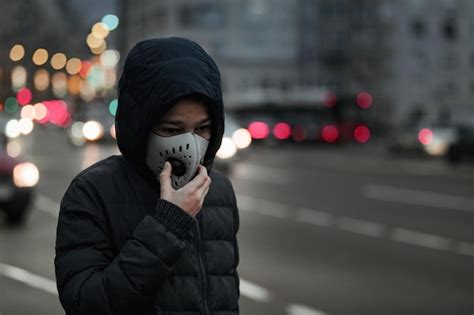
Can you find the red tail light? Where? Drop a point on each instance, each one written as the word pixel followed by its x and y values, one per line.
pixel 282 131
pixel 299 133
pixel 258 130
pixel 425 136
pixel 362 134
pixel 330 133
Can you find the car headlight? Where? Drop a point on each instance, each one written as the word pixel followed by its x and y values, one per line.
pixel 242 138
pixel 25 175
pixel 93 130
pixel 227 149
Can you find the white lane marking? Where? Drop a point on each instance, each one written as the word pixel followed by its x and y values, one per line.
pixel 260 173
pixel 465 248
pixel 246 203
pixel 247 288
pixel 421 239
pixel 418 197
pixel 28 278
pixel 353 225
pixel 254 291
pixel 297 309
pixel 358 226
pixel 273 209
pixel 48 205
pixel 314 217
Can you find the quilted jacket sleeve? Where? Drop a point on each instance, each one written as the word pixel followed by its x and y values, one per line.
pixel 91 279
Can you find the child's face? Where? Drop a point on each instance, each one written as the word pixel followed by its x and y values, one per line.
pixel 185 116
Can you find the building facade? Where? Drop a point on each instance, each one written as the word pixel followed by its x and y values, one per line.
pixel 411 56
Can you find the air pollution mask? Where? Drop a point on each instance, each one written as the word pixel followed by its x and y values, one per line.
pixel 184 151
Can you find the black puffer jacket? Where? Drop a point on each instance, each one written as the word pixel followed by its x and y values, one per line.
pixel 120 249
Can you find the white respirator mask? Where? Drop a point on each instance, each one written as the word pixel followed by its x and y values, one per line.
pixel 184 151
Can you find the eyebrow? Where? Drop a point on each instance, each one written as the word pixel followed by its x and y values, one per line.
pixel 179 122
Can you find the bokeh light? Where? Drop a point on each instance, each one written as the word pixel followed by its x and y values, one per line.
pixel 362 134
pixel 242 138
pixel 28 111
pixel 330 133
pixel 94 42
pixel 425 136
pixel 113 106
pixel 109 58
pixel 100 49
pixel 58 61
pixel 41 112
pixel 281 131
pixel 364 100
pixel 41 80
pixel 13 148
pixel 299 133
pixel 26 126
pixel 18 77
pixel 40 56
pixel 11 105
pixel 17 52
pixel 100 30
pixel 12 129
pixel 93 130
pixel 258 130
pixel 24 96
pixel 227 148
pixel 111 21
pixel 73 66
pixel 59 84
pixel 25 174
pixel 74 84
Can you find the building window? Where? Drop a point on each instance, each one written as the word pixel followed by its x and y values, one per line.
pixel 210 15
pixel 449 29
pixel 418 28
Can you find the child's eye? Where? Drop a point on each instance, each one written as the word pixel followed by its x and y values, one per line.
pixel 170 130
pixel 204 128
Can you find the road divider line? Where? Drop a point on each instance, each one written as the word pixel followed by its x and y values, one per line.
pixel 418 197
pixel 273 209
pixel 297 309
pixel 363 227
pixel 254 291
pixel 465 248
pixel 28 278
pixel 353 225
pixel 314 217
pixel 421 239
pixel 48 205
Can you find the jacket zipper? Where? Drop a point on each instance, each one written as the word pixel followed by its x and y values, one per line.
pixel 205 285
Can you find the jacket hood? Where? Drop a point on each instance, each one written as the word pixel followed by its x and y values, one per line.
pixel 156 74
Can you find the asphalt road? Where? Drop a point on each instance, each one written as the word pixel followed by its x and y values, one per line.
pixel 324 230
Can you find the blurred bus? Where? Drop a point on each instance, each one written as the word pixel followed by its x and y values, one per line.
pixel 303 116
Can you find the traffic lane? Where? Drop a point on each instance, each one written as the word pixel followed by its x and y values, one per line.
pixel 353 160
pixel 343 273
pixel 30 246
pixel 20 299
pixel 345 194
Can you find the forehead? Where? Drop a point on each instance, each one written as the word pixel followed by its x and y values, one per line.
pixel 187 108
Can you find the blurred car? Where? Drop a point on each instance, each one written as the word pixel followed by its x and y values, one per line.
pixel 408 139
pixel 92 123
pixel 235 141
pixel 461 146
pixel 18 179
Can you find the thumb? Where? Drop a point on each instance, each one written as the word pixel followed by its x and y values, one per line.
pixel 165 175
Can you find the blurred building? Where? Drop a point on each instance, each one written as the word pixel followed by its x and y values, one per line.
pixel 433 59
pixel 414 57
pixel 256 43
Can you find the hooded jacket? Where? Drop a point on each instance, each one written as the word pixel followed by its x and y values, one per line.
pixel 120 248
